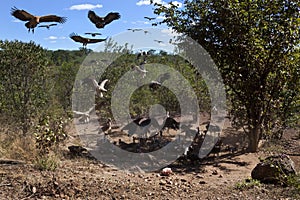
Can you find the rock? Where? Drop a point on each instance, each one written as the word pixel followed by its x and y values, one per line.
pixel 274 169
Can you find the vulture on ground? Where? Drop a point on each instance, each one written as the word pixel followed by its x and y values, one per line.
pixel 33 21
pixel 83 40
pixel 100 22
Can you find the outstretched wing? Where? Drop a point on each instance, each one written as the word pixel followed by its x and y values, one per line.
pixel 78 38
pixel 150 18
pixel 53 18
pixel 163 77
pixel 91 40
pixel 111 17
pixel 102 84
pixel 21 14
pixel 94 18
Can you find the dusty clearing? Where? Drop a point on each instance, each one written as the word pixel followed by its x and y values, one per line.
pixel 212 178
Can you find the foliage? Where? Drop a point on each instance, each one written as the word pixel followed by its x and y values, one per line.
pixel 23 88
pixel 247 184
pixel 50 131
pixel 46 162
pixel 294 181
pixel 255 45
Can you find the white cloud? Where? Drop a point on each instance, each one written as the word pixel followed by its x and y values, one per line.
pixel 85 7
pixel 51 38
pixel 161 17
pixel 16 21
pixel 170 32
pixel 54 38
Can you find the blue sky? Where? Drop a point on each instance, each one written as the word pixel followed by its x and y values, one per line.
pixel 132 16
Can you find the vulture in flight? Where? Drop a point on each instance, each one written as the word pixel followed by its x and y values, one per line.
pixel 84 117
pixel 93 34
pixel 100 22
pixel 150 18
pixel 33 21
pixel 83 40
pixel 98 86
pixel 134 29
pixel 157 83
pixel 158 41
pixel 47 26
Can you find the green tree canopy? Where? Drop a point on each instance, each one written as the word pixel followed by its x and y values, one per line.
pixel 23 72
pixel 255 45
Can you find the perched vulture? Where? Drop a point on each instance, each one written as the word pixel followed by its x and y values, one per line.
pixel 47 26
pixel 93 34
pixel 84 40
pixel 33 21
pixel 100 22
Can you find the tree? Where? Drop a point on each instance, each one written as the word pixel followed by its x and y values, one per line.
pixel 23 73
pixel 255 45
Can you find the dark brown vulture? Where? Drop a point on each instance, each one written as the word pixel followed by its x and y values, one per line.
pixel 100 22
pixel 134 29
pixel 158 41
pixel 47 26
pixel 93 34
pixel 83 40
pixel 33 21
pixel 150 18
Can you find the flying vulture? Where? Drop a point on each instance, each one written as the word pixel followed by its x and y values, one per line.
pixel 84 40
pixel 99 87
pixel 33 21
pixel 93 34
pixel 134 29
pixel 84 117
pixel 140 69
pixel 158 41
pixel 100 22
pixel 150 18
pixel 157 83
pixel 47 26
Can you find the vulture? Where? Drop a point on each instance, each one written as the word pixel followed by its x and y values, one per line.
pixel 158 41
pixel 150 18
pixel 47 26
pixel 93 34
pixel 83 40
pixel 106 127
pixel 84 117
pixel 100 22
pixel 99 87
pixel 143 54
pixel 159 81
pixel 33 21
pixel 141 126
pixel 140 69
pixel 134 29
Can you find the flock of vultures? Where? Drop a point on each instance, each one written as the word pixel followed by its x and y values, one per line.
pixel 33 21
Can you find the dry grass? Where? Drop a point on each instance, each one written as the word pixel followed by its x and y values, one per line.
pixel 13 145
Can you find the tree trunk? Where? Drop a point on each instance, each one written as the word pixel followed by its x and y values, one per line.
pixel 253 136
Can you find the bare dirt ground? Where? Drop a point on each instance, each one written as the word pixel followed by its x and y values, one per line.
pixel 79 177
